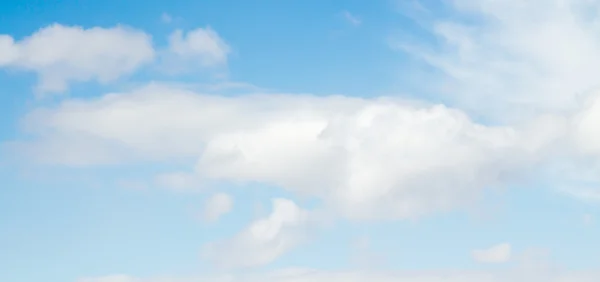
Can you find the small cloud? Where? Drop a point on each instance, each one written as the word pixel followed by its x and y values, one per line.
pixel 201 47
pixel 496 254
pixel 352 19
pixel 166 18
pixel 263 240
pixel 217 206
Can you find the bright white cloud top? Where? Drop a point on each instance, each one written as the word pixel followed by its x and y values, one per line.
pixel 202 45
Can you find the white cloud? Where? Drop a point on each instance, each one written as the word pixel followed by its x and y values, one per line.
pixel 201 46
pixel 62 54
pixel 496 254
pixel 517 57
pixel 509 61
pixel 586 129
pixel 367 158
pixel 9 53
pixel 216 206
pixel 352 19
pixel 263 240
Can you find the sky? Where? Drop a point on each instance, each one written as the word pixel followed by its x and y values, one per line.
pixel 299 141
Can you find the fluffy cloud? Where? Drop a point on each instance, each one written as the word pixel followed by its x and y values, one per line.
pixel 264 239
pixel 61 54
pixel 367 158
pixel 495 254
pixel 201 46
pixel 216 206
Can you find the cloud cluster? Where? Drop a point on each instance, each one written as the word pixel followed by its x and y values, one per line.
pixel 61 54
pixel 527 68
pixel 367 158
pixel 510 61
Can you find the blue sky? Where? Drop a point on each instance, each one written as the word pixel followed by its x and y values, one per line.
pixel 152 141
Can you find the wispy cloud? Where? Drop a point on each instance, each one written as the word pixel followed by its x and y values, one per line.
pixel 352 19
pixel 495 254
pixel 166 18
pixel 217 206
